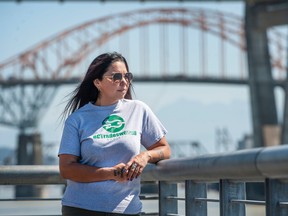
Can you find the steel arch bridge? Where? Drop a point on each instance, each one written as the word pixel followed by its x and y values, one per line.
pixel 172 44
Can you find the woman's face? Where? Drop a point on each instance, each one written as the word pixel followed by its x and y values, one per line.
pixel 110 90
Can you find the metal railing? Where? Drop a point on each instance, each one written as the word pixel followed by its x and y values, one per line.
pixel 231 170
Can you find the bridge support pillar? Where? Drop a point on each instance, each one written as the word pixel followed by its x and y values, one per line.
pixel 264 114
pixel 29 153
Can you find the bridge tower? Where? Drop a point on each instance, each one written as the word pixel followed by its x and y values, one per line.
pixel 266 128
pixel 29 152
pixel 259 17
pixel 21 107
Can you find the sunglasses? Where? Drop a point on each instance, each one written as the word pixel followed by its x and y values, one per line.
pixel 117 77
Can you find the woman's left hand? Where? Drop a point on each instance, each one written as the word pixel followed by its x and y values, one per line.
pixel 159 151
pixel 136 165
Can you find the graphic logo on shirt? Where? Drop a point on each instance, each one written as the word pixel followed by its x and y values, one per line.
pixel 113 123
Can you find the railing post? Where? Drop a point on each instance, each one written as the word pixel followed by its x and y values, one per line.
pixel 231 191
pixel 276 192
pixel 195 190
pixel 167 205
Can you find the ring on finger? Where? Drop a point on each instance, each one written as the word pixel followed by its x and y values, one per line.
pixel 134 165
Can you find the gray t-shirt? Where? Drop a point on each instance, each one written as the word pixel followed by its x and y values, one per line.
pixel 103 136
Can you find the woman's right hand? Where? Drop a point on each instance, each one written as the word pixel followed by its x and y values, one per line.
pixel 120 173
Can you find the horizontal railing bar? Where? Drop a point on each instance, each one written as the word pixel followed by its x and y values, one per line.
pixel 206 200
pixel 30 175
pixel 253 202
pixel 197 199
pixel 175 198
pixel 149 197
pixel 30 199
pixel 283 204
pixel 255 164
pixel 30 215
pixel 248 165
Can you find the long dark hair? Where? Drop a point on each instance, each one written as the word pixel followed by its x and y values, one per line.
pixel 86 91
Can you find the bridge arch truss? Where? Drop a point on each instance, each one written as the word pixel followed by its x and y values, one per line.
pixel 170 44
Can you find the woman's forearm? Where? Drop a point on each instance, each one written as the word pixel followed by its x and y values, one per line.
pixel 158 154
pixel 84 173
pixel 159 151
pixel 70 168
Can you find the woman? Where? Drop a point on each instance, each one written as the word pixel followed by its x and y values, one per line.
pixel 99 153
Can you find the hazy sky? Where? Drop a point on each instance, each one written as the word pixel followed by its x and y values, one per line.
pixel 189 111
